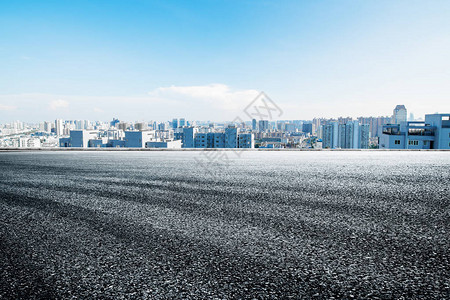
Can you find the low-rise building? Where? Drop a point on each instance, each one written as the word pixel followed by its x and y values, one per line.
pixel 176 144
pixel 433 133
pixel 441 122
pixel 246 140
pixel 217 139
pixel 78 138
pixel 201 140
pixel 137 139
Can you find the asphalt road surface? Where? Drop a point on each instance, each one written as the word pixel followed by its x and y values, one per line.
pixel 180 225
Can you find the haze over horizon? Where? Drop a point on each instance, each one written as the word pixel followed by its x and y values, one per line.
pixel 206 60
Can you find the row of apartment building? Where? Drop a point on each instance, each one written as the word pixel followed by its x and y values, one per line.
pixel 230 138
pixel 189 137
pixel 351 135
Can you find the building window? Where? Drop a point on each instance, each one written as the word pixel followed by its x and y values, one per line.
pixel 425 143
pixel 413 142
pixel 397 142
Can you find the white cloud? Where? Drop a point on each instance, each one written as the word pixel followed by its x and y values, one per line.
pixel 218 95
pixel 58 104
pixel 7 107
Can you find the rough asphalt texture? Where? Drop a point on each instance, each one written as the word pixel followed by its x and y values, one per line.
pixel 158 225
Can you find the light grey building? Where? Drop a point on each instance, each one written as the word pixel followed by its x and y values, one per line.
pixel 78 139
pixel 59 127
pixel 140 126
pixel 399 115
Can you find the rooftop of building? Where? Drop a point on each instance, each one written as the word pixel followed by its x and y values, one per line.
pixel 437 114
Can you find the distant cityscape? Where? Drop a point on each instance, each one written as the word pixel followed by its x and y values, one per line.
pixel 387 132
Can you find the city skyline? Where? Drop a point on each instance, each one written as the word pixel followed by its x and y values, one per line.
pixel 410 117
pixel 395 118
pixel 392 132
pixel 207 60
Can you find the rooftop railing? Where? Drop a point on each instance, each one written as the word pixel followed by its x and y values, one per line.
pixel 420 132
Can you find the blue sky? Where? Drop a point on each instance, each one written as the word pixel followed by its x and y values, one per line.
pixel 154 60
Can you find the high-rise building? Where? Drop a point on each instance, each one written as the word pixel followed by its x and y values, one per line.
pixel 175 123
pixel 263 125
pixel 307 128
pixel 316 125
pixel 289 127
pixel 254 125
pixel 140 126
pixel 364 134
pixel 48 126
pixel 400 114
pixel 341 138
pixel 327 136
pixel 122 126
pixel 59 127
pixel 280 125
pixel 344 120
pixel 79 125
pixel 182 122
pixel 231 137
pixel 162 126
pixel 330 135
pixel 351 135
